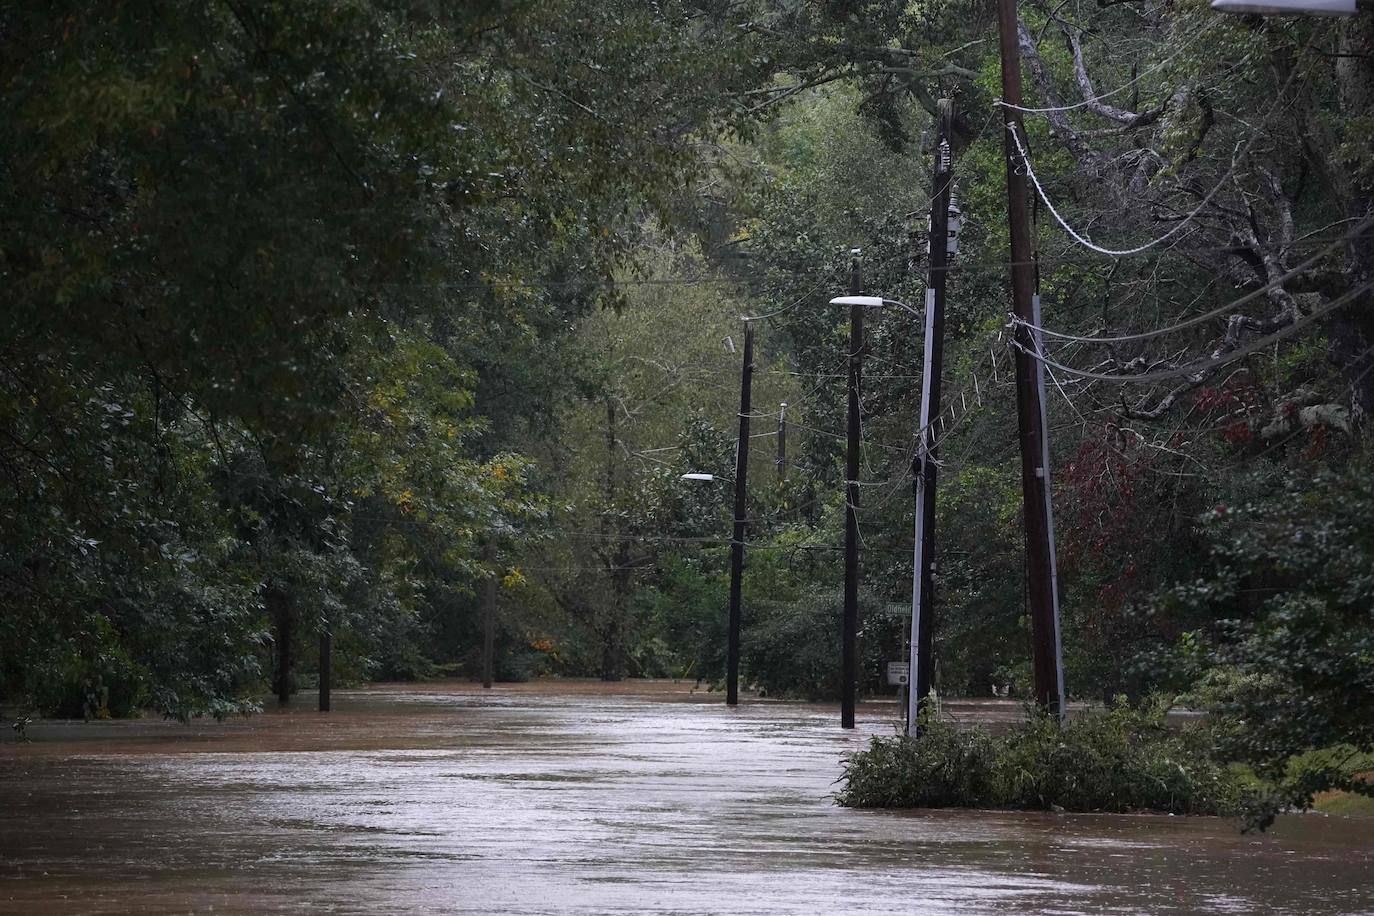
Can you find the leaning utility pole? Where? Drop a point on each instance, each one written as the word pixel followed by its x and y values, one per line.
pixel 737 540
pixel 1030 411
pixel 849 634
pixel 923 467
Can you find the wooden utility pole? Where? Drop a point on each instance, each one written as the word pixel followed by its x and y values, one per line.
pixel 326 650
pixel 489 616
pixel 1035 493
pixel 849 634
pixel 923 467
pixel 737 539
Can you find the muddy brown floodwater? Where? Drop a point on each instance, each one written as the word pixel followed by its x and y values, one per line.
pixel 567 797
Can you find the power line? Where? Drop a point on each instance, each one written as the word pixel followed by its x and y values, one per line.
pixel 1111 252
pixel 1120 89
pixel 1220 310
pixel 787 308
pixel 957 413
pixel 1241 151
pixel 867 377
pixel 959 267
pixel 1211 362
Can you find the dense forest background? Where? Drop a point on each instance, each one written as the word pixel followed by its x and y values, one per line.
pixel 320 315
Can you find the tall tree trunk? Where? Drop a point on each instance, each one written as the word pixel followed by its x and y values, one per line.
pixel 613 633
pixel 279 610
pixel 616 551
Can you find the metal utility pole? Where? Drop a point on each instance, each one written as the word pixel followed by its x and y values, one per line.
pixel 737 540
pixel 923 467
pixel 782 441
pixel 849 634
pixel 489 616
pixel 1035 493
pixel 326 650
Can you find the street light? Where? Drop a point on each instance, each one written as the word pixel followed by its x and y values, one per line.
pixel 872 302
pixel 920 655
pixel 850 621
pixel 865 301
pixel 1291 7
pixel 736 569
pixel 915 653
pixel 948 245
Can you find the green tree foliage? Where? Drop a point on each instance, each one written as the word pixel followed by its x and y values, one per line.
pixel 1284 644
pixel 655 396
pixel 260 262
pixel 318 315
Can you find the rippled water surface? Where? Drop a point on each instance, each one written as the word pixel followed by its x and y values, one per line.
pixel 566 797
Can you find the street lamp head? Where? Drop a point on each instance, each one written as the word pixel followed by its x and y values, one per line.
pixel 872 302
pixel 707 477
pixel 1287 7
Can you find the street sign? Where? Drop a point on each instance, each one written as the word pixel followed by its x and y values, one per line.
pixel 899 673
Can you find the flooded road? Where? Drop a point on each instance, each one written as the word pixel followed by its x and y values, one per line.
pixel 567 797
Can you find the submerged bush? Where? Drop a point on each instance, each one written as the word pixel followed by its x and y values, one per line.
pixel 1119 761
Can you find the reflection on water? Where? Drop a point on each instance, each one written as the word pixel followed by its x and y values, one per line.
pixel 567 797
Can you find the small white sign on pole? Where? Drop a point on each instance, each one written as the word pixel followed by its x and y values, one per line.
pixel 899 673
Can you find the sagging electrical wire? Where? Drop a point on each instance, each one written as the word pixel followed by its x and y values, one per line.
pixel 1120 89
pixel 1366 224
pixel 1242 150
pixel 1212 362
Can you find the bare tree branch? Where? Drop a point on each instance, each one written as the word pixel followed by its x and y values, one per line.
pixel 1090 98
pixel 1058 121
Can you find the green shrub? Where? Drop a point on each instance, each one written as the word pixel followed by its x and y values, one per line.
pixel 1120 760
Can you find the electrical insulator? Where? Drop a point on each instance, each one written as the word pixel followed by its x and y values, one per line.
pixel 956 222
